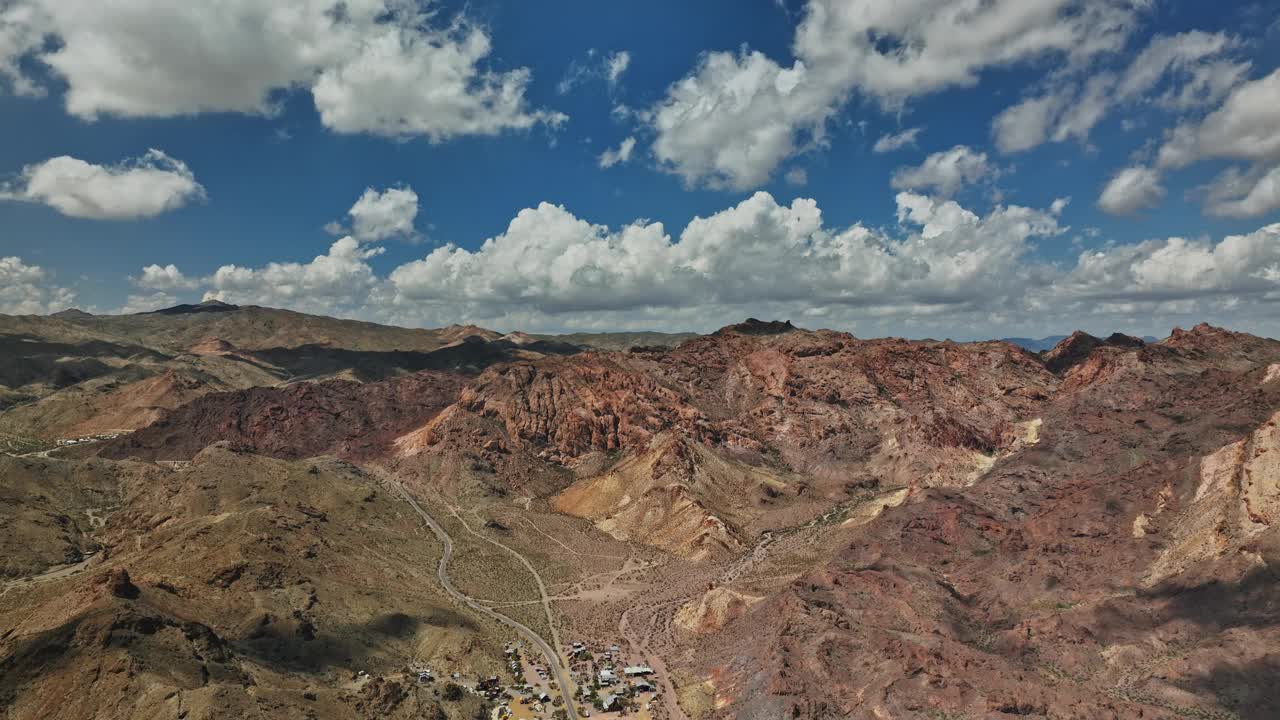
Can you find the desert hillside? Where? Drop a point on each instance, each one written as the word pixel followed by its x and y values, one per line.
pixel 214 510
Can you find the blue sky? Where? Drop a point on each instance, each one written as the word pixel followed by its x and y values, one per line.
pixel 250 178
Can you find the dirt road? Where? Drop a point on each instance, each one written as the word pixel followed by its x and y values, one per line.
pixel 442 573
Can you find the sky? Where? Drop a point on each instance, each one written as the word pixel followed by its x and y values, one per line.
pixel 934 168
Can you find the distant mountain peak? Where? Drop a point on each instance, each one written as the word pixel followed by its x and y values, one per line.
pixel 202 307
pixel 752 326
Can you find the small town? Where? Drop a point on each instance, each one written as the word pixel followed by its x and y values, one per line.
pixel 608 683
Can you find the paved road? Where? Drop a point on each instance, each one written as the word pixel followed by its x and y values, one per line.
pixel 442 573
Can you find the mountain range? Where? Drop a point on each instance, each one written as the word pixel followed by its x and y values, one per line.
pixel 214 510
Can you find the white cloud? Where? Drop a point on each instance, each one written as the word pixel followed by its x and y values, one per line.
pixel 1132 189
pixel 406 82
pixel 1246 127
pixel 335 282
pixel 1190 55
pixel 378 66
pixel 615 65
pixel 144 187
pixel 1177 268
pixel 734 118
pixel 1064 112
pixel 1245 194
pixel 622 154
pixel 380 215
pixel 1026 124
pixel 22 30
pixel 896 141
pixel 946 172
pixel 609 67
pixel 137 303
pixel 1190 66
pixel 731 122
pixel 759 252
pixel 167 277
pixel 943 270
pixel 27 289
pixel 797 177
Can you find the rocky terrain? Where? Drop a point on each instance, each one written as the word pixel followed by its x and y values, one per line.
pixel 782 522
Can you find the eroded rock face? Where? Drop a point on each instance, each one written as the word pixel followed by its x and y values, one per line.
pixel 808 395
pixel 1121 565
pixel 116 582
pixel 1235 501
pixel 713 610
pixel 714 431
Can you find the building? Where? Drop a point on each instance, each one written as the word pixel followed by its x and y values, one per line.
pixel 610 702
pixel 607 677
pixel 637 671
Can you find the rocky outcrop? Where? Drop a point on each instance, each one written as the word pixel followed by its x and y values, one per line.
pixel 753 326
pixel 346 418
pixel 1079 347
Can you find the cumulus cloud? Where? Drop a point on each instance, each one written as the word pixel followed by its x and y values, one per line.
pixel 29 289
pixel 380 215
pixel 946 172
pixel 334 282
pixel 377 66
pixel 755 253
pixel 896 141
pixel 1190 67
pixel 1132 189
pixel 943 269
pixel 733 119
pixel 406 81
pixel 141 188
pixel 618 156
pixel 164 278
pixel 1178 268
pixel 731 122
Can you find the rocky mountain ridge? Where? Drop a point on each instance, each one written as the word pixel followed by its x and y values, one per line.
pixel 807 524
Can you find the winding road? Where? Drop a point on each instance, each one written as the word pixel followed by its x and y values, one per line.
pixel 442 573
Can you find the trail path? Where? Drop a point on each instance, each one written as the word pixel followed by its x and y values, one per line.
pixel 442 574
pixel 542 588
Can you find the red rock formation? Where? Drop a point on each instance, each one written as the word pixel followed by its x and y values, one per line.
pixel 350 419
